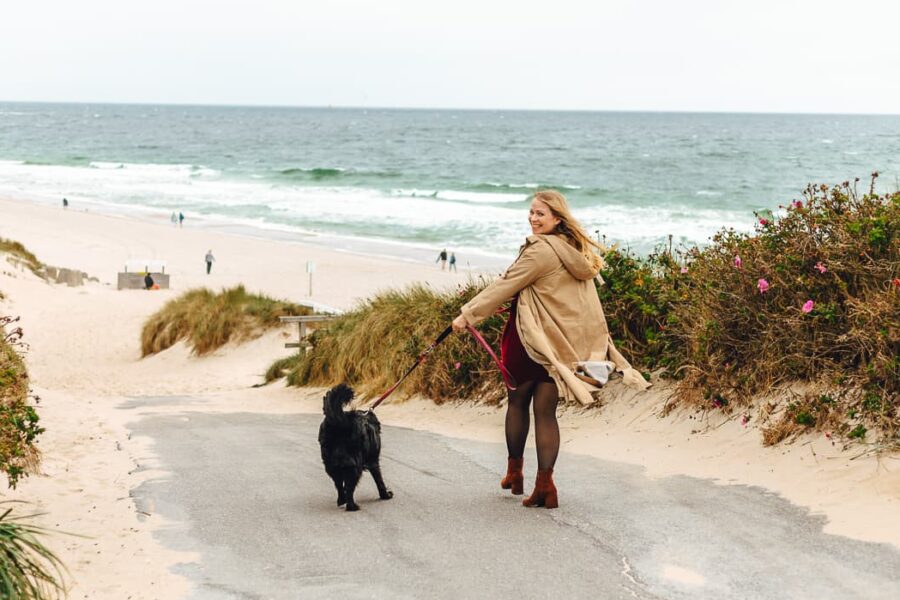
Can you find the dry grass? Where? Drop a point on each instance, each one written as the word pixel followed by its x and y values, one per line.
pixel 207 320
pixel 372 346
pixel 19 251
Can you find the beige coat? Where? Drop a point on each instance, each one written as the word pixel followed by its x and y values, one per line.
pixel 559 317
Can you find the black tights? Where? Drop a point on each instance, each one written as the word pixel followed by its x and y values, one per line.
pixel 546 429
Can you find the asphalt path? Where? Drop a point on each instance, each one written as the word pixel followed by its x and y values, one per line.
pixel 248 492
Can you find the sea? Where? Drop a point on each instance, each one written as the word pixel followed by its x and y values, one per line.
pixel 407 183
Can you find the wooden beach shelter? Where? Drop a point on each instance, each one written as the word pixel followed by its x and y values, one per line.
pixel 132 277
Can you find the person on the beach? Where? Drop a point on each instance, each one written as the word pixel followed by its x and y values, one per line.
pixel 181 219
pixel 148 282
pixel 209 261
pixel 555 321
pixel 453 261
pixel 65 203
pixel 442 257
pixel 174 219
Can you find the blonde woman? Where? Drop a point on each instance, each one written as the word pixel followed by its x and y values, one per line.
pixel 555 322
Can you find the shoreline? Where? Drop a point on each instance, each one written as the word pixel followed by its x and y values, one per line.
pixel 382 249
pixel 84 359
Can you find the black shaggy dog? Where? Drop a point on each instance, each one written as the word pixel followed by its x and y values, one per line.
pixel 351 443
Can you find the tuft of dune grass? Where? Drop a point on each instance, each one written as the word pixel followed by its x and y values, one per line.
pixel 18 250
pixel 208 320
pixel 372 346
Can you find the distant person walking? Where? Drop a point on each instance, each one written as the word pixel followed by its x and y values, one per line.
pixel 181 219
pixel 65 203
pixel 174 219
pixel 442 258
pixel 453 262
pixel 148 282
pixel 209 261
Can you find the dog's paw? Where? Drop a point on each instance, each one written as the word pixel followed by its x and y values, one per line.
pixel 387 495
pixel 352 507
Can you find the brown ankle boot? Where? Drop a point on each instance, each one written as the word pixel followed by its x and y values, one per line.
pixel 514 479
pixel 544 493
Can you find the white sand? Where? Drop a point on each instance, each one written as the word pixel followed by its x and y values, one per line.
pixel 84 361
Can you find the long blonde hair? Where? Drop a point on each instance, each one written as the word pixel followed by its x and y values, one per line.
pixel 570 228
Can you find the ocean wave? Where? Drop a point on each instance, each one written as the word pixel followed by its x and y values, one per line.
pixel 490 185
pixel 462 196
pixel 325 173
pixel 313 173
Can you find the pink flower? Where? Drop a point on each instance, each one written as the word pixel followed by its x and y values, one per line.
pixel 798 204
pixel 457 365
pixel 821 267
pixel 744 420
pixel 737 262
pixel 896 282
pixel 763 222
pixel 808 306
pixel 763 286
pixel 684 270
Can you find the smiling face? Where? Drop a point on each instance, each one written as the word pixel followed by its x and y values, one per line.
pixel 541 218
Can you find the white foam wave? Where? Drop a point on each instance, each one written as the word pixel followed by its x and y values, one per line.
pixel 457 219
pixel 462 196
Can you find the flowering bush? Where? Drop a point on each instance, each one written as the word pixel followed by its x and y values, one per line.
pixel 811 299
pixel 18 419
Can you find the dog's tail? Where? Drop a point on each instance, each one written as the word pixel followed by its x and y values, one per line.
pixel 335 400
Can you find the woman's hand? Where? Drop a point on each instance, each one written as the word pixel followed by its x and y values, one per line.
pixel 459 323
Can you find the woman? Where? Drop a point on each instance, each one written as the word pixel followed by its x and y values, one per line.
pixel 555 322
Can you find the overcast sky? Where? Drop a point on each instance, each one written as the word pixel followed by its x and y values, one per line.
pixel 688 55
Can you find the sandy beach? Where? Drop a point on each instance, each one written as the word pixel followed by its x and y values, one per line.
pixel 84 361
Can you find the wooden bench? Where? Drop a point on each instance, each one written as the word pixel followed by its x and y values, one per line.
pixel 302 321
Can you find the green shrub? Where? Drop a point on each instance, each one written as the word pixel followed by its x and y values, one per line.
pixel 18 419
pixel 828 310
pixel 209 320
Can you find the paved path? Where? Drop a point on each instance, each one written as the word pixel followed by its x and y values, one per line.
pixel 249 493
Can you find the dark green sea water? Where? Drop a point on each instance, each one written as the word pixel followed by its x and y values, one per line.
pixel 430 178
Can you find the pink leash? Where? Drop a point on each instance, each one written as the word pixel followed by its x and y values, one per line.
pixel 508 379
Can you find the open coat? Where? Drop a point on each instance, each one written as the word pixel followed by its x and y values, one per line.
pixel 559 317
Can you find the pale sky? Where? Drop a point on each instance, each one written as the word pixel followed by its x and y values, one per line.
pixel 688 55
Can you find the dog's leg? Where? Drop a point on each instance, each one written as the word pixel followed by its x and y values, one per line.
pixel 351 478
pixel 337 476
pixel 342 497
pixel 383 492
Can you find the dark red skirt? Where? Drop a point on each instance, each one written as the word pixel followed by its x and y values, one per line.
pixel 514 357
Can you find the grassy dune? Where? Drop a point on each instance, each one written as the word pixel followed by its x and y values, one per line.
pixel 208 320
pixel 19 251
pixel 810 297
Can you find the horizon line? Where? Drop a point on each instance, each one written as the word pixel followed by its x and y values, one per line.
pixel 450 108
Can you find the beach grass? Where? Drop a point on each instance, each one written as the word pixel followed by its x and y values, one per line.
pixel 16 249
pixel 372 346
pixel 811 297
pixel 208 320
pixel 28 569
